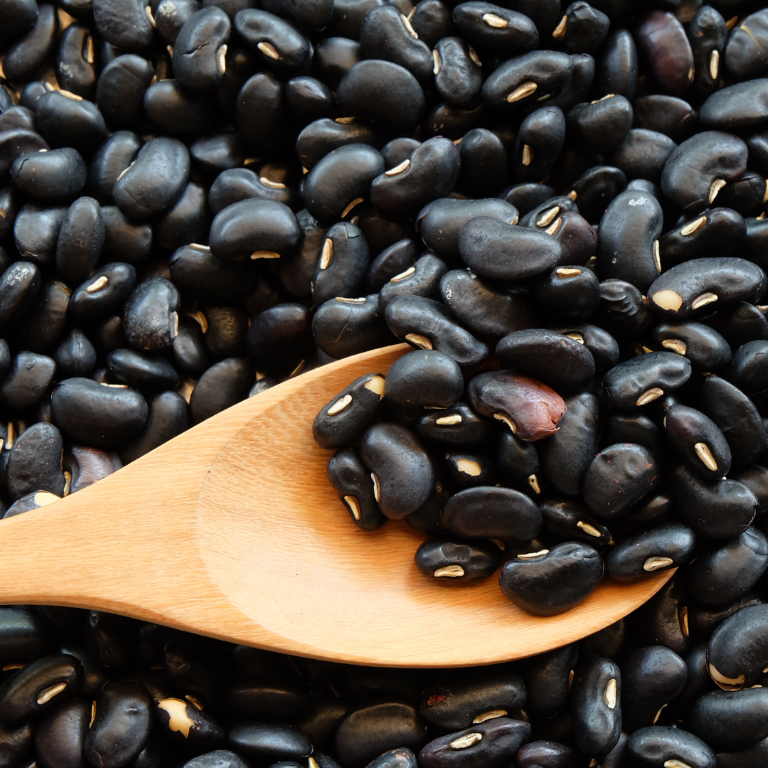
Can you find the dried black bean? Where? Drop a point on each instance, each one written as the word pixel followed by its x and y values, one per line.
pixel 646 378
pixel 640 554
pixel 571 521
pixel 551 581
pixel 343 327
pixel 352 482
pixel 426 324
pixel 458 561
pixel 596 694
pixel 714 510
pixel 342 265
pixel 698 441
pixel 351 412
pixel 653 746
pixel 553 358
pixel 723 575
pixel 642 154
pixel 651 678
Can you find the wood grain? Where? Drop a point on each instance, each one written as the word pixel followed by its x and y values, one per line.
pixel 232 530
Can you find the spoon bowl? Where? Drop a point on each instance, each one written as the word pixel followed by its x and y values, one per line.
pixel 232 530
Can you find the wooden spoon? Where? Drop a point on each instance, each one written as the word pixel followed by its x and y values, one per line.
pixel 232 530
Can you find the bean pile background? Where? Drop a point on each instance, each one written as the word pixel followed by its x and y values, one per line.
pixel 199 201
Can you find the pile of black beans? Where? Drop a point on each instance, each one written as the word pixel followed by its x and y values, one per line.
pixel 561 207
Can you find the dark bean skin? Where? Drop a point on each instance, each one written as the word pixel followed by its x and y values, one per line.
pixel 641 554
pixel 663 41
pixel 122 724
pixel 467 469
pixel 458 77
pixel 167 418
pixel 669 115
pixel 645 378
pixel 616 71
pixel 121 88
pixel 426 324
pixel 550 582
pixel 341 178
pixel 570 520
pixel 642 154
pixel 358 742
pixel 25 58
pixel 518 35
pixel 384 35
pixel 724 575
pixel 456 699
pixel 64 121
pixel 457 562
pixel 36 232
pixel 392 261
pixel 440 223
pixel 498 251
pixel 730 721
pixel 97 415
pixel 220 387
pixel 354 410
pixel 456 425
pixel 38 686
pixel 737 653
pixel 197 49
pixel 125 26
pixel 655 745
pixel 27 380
pixel 500 738
pixel 718 510
pixel 629 235
pixel 698 441
pixel 35 462
pixel 496 513
pixel 744 54
pixel 596 706
pixel 483 307
pixel 61 732
pixel 549 71
pixel 342 265
pixel 277 339
pixel 704 347
pixel 651 678
pixel 736 416
pixel 324 135
pixel 538 143
pixel 352 483
pixel 383 92
pixel 431 172
pixel 571 292
pixel 403 469
pixel 343 327
pixel 555 359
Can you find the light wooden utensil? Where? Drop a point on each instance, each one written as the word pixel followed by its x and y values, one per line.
pixel 232 530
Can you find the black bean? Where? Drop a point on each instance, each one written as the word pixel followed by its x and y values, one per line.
pixel 440 223
pixel 60 732
pixel 456 425
pixel 643 379
pixel 19 16
pixel 221 386
pixel 125 25
pixel 190 727
pixel 663 41
pixel 643 154
pixel 151 315
pixel 341 181
pixel 698 441
pixel 38 685
pixel 719 510
pixel 342 265
pixel 596 694
pixel 490 743
pixel 97 415
pixel 324 135
pixel 123 239
pixel 104 292
pixel 618 477
pixel 277 338
pixel 121 88
pixel 640 554
pixel 46 320
pixel 523 80
pixel 369 730
pixel 422 279
pixel 200 48
pixel 122 723
pixel 457 561
pixel 401 470
pixel 36 232
pixel 744 53
pixel 736 416
pixel 25 58
pixel 555 359
pixel 730 721
pixel 68 120
pixel 499 251
pixel 277 43
pixel 35 462
pixel 383 92
pixel 721 576
pixel 431 172
pixel 651 678
pixel 343 327
pixel 652 746
pixel 154 181
pixel 75 355
pixel 352 483
pixel 703 346
pixel 27 380
pixel 551 581
pixel 350 413
pixel 618 66
pixel 426 324
pixel 571 521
